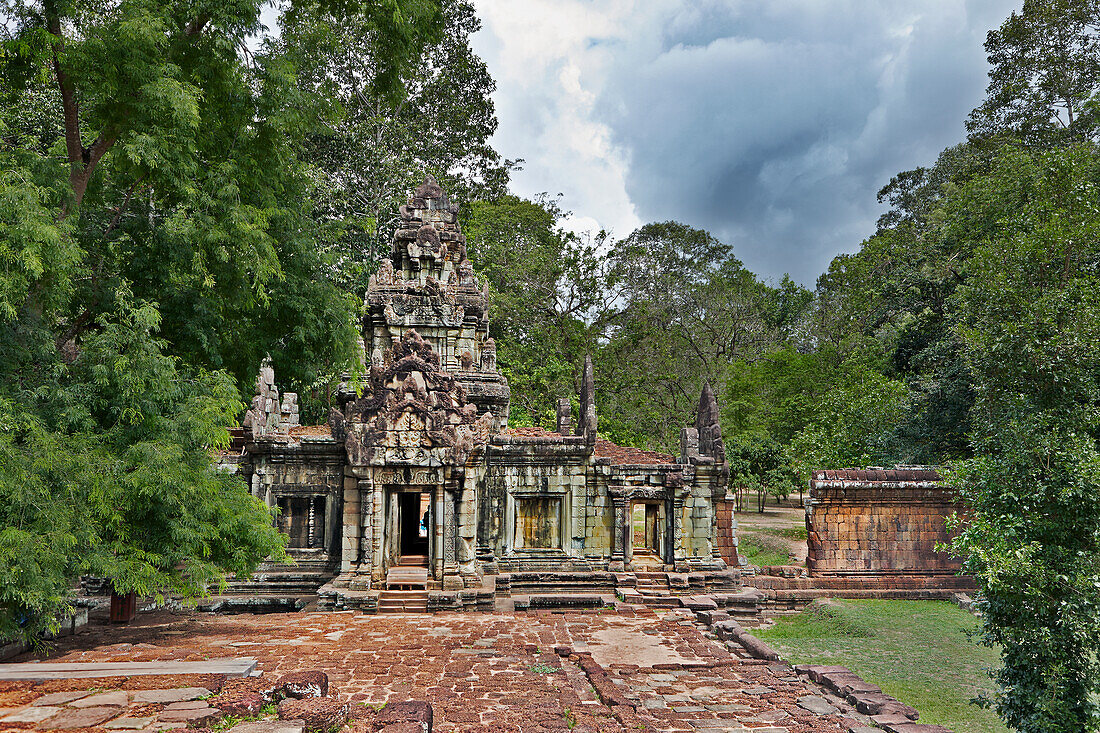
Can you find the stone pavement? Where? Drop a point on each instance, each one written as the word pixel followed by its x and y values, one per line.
pixel 587 671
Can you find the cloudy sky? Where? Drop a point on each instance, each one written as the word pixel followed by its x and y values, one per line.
pixel 769 123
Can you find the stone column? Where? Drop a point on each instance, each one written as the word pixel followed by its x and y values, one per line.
pixel 374 529
pixel 679 556
pixel 331 523
pixel 438 523
pixel 618 534
pixel 467 528
pixel 349 548
pixel 451 578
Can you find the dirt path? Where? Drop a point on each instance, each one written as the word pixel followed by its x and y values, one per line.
pixel 776 528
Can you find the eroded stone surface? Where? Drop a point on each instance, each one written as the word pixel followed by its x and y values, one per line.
pixel 269 726
pixel 79 718
pixel 318 714
pixel 60 698
pixel 31 714
pixel 127 723
pixel 169 696
pixel 117 698
pixel 191 716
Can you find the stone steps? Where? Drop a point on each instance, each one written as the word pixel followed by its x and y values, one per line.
pixel 403 577
pixel 403 601
pixel 660 601
pixel 278 583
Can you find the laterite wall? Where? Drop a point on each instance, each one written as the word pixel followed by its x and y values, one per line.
pixel 881 521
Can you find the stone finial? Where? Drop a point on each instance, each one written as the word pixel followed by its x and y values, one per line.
pixel 565 416
pixel 586 423
pixel 429 189
pixel 689 444
pixel 709 429
pixel 707 413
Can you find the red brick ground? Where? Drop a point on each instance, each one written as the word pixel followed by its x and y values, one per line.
pixel 495 672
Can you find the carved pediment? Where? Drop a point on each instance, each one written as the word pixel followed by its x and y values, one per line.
pixel 412 412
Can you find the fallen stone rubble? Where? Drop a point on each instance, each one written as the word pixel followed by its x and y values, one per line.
pixel 299 702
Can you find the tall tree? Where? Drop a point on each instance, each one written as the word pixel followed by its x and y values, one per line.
pixel 155 243
pixel 686 308
pixel 378 146
pixel 549 298
pixel 1029 319
pixel 1045 77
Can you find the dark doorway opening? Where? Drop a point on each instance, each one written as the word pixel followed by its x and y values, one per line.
pixel 646 530
pixel 414 515
pixel 302 519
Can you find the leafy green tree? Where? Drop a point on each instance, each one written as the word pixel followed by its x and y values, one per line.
pixel 855 422
pixel 761 464
pixel 375 147
pixel 1045 77
pixel 685 309
pixel 156 241
pixel 549 297
pixel 1029 319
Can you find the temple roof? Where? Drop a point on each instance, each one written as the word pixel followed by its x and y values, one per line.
pixel 854 477
pixel 619 455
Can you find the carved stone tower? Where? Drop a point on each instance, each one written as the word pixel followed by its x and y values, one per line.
pixel 429 286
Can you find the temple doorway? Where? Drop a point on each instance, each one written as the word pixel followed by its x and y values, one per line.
pixel 646 532
pixel 414 527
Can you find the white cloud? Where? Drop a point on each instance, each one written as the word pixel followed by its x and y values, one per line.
pixel 550 69
pixel 771 123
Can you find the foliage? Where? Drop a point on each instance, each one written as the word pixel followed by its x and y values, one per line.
pixel 686 309
pixel 761 464
pixel 1044 84
pixel 854 423
pixel 1029 319
pixel 157 242
pixel 548 297
pixel 375 146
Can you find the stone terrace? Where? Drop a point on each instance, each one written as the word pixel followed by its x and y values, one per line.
pixel 606 671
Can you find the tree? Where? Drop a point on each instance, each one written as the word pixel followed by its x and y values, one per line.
pixel 1045 77
pixel 1029 320
pixel 155 243
pixel 377 147
pixel 761 464
pixel 686 308
pixel 549 298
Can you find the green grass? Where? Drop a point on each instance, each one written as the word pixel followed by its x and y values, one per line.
pixel 792 533
pixel 918 651
pixel 763 549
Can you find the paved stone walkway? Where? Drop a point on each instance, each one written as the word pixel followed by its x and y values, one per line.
pixel 607 671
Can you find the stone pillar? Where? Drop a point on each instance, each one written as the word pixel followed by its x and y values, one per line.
pixel 467 528
pixel 374 530
pixel 349 548
pixel 452 580
pixel 679 556
pixel 565 416
pixel 438 524
pixel 618 534
pixel 332 524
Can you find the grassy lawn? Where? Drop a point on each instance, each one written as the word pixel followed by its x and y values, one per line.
pixel 762 550
pixel 917 651
pixel 772 537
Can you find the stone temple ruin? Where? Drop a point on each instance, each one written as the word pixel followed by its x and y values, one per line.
pixel 418 494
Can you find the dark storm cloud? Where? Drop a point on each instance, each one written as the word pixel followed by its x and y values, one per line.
pixel 773 124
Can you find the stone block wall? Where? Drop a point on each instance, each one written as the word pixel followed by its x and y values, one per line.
pixel 870 522
pixel 725 537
